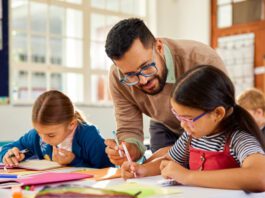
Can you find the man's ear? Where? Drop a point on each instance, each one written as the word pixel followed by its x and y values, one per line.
pixel 159 46
pixel 219 113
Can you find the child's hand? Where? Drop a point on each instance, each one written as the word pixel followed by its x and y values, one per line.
pixel 13 157
pixel 172 170
pixel 128 170
pixel 62 156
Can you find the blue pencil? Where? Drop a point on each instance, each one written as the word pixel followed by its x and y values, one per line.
pixel 8 176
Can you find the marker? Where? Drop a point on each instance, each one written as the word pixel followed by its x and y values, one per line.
pixel 8 176
pixel 21 152
pixel 127 155
pixel 117 143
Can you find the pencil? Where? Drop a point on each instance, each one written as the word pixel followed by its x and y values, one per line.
pixel 127 155
pixel 21 152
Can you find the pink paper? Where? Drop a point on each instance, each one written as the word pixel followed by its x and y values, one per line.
pixel 47 178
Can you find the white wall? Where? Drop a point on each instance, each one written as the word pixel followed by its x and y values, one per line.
pixel 182 19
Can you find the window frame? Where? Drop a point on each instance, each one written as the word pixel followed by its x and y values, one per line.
pixel 48 68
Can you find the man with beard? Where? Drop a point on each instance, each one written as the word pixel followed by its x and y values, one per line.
pixel 141 80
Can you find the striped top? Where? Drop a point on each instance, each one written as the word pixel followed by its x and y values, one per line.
pixel 242 144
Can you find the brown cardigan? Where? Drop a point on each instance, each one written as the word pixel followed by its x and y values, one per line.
pixel 130 102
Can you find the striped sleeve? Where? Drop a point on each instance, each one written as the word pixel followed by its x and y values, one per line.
pixel 178 151
pixel 244 144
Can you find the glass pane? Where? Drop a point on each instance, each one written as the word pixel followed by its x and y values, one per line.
pixel 20 88
pixel 127 6
pixel 112 5
pixel 38 14
pixel 247 11
pixel 57 20
pixel 56 51
pixel 98 56
pixel 69 83
pixel 74 1
pixel 73 53
pixel 140 7
pixel 98 3
pixel 38 49
pixel 74 23
pixel 98 88
pixel 97 27
pixel 56 82
pixel 38 84
pixel 224 16
pixel 19 48
pixel 19 14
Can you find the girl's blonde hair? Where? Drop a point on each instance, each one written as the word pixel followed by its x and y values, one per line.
pixel 252 99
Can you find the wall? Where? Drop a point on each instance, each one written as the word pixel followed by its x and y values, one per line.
pixel 186 19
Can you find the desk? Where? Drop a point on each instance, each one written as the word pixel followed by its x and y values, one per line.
pixel 186 191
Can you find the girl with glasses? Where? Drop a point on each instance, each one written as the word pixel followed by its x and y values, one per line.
pixel 221 147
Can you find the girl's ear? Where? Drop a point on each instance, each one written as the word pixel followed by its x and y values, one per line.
pixel 72 124
pixel 219 113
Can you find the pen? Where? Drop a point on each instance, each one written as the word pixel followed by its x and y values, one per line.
pixel 117 143
pixel 127 155
pixel 8 176
pixel 21 152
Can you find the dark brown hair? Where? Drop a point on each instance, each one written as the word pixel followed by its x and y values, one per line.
pixel 121 37
pixel 54 107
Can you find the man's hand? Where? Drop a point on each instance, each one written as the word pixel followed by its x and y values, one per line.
pixel 62 156
pixel 112 151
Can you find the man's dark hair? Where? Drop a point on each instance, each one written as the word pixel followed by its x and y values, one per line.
pixel 122 35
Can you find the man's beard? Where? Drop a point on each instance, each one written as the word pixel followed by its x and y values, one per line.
pixel 161 82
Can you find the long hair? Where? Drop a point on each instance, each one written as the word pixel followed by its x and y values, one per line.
pixel 123 34
pixel 205 87
pixel 54 107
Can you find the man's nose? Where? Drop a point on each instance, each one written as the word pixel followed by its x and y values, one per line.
pixel 142 80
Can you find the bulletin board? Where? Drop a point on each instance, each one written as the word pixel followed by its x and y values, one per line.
pixel 4 69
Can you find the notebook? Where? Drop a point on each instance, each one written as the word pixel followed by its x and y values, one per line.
pixel 43 178
pixel 39 165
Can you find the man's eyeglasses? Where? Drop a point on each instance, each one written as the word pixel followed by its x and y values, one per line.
pixel 189 121
pixel 132 78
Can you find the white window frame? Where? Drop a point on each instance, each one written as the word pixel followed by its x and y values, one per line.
pixel 86 70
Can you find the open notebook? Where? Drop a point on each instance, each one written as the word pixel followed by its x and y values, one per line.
pixel 39 165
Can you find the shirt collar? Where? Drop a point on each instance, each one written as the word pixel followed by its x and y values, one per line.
pixel 171 78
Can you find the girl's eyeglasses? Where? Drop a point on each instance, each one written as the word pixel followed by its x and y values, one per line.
pixel 189 121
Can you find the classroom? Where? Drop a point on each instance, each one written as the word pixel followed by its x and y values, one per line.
pixel 132 98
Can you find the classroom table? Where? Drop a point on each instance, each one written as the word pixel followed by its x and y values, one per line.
pixel 186 191
pixel 105 174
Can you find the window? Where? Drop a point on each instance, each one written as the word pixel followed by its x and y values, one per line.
pixel 230 12
pixel 59 44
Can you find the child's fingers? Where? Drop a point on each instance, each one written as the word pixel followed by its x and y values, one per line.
pixel 163 164
pixel 15 151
